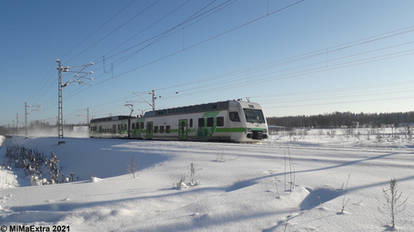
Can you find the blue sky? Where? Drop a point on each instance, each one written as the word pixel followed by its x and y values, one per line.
pixel 294 57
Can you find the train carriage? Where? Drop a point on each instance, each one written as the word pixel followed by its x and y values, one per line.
pixel 110 127
pixel 235 121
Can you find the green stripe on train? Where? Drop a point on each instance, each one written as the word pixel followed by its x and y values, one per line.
pixel 237 130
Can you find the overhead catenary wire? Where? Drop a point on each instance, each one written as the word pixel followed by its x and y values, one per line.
pixel 200 42
pixel 51 79
pixel 100 27
pixel 154 39
pixel 326 51
pixel 169 13
pixel 236 82
pixel 139 13
pixel 299 57
pixel 305 73
pixel 307 55
pixel 197 15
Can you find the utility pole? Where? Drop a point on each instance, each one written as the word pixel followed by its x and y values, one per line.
pixel 87 116
pixel 80 75
pixel 25 119
pixel 131 108
pixel 60 103
pixel 17 123
pixel 153 99
pixel 26 113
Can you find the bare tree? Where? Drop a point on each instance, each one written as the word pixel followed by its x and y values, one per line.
pixel 132 167
pixel 291 172
pixel 277 193
pixel 345 199
pixel 193 180
pixel 395 202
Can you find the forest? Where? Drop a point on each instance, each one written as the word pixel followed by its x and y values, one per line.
pixel 344 119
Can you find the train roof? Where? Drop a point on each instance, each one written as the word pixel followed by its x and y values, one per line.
pixel 214 106
pixel 111 118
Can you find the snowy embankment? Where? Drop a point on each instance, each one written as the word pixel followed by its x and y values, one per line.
pixel 7 178
pixel 242 187
pixel 359 138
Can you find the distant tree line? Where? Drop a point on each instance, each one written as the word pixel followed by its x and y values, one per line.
pixel 339 119
pixel 3 130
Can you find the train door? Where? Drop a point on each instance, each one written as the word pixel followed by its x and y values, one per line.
pixel 183 129
pixel 149 130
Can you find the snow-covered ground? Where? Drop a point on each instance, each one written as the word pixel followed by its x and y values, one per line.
pixel 2 138
pixel 241 186
pixel 7 178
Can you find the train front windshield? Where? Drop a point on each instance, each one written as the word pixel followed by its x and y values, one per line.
pixel 254 116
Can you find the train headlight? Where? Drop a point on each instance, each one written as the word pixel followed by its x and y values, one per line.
pixel 249 129
pixel 265 131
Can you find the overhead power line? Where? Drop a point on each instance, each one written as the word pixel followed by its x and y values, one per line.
pixel 51 79
pixel 152 40
pixel 115 29
pixel 308 55
pixel 101 26
pixel 305 72
pixel 200 43
pixel 305 56
pixel 254 77
pixel 149 26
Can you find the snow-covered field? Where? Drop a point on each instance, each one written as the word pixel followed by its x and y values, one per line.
pixel 241 186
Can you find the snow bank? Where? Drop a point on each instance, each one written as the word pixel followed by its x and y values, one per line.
pixel 2 138
pixel 7 178
pixel 84 158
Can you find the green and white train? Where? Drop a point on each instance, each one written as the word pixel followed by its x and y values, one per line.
pixel 233 121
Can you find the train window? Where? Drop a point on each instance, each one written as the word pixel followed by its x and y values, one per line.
pixel 191 122
pixel 161 129
pixel 133 126
pixel 167 129
pixel 201 122
pixel 254 116
pixel 210 122
pixel 220 121
pixel 142 125
pixel 125 126
pixel 155 129
pixel 234 116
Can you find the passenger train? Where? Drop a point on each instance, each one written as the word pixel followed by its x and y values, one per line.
pixel 232 121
